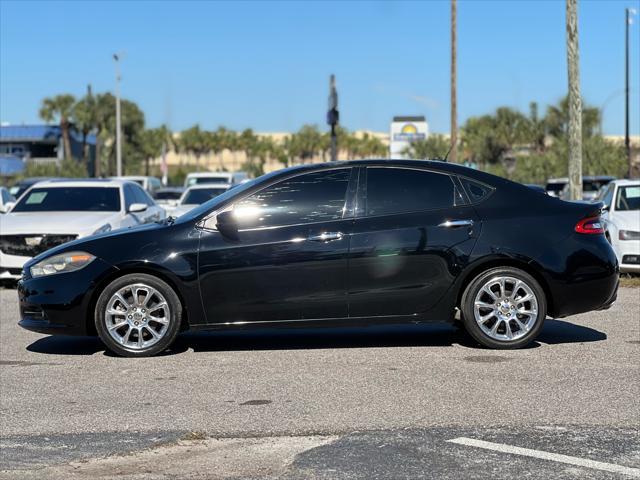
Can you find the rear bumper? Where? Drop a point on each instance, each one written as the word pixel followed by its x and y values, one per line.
pixel 582 274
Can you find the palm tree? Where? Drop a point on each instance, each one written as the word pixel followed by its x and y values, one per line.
pixel 84 119
pixel 60 108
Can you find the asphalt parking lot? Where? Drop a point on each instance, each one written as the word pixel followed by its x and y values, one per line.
pixel 402 402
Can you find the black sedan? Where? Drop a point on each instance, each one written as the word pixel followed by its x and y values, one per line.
pixel 363 242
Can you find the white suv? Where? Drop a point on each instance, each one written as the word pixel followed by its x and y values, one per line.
pixel 54 212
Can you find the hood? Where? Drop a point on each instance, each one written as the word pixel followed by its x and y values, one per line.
pixel 78 223
pixel 626 220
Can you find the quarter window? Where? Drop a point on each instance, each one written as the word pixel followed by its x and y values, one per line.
pixel 309 198
pixel 477 191
pixel 398 190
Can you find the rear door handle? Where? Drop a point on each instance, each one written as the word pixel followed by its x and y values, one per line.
pixel 456 223
pixel 326 237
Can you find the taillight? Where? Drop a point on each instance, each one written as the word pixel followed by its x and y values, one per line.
pixel 591 225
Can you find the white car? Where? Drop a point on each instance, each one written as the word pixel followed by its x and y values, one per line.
pixel 197 195
pixel 231 178
pixel 54 212
pixel 622 221
pixel 6 200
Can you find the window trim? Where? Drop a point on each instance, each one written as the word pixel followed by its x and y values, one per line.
pixel 347 211
pixel 362 196
pixel 491 188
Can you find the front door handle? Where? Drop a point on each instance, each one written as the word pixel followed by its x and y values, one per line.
pixel 326 237
pixel 456 223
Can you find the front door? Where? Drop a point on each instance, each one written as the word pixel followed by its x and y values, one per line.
pixel 289 259
pixel 408 242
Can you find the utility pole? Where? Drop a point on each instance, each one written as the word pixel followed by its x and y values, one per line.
pixel 454 102
pixel 118 121
pixel 628 12
pixel 575 103
pixel 333 117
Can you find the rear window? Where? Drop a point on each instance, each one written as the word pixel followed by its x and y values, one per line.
pixel 70 199
pixel 212 179
pixel 168 195
pixel 555 187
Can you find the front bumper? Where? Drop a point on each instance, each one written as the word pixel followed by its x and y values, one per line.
pixel 61 303
pixel 11 266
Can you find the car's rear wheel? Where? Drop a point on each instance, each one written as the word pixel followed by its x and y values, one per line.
pixel 138 315
pixel 504 308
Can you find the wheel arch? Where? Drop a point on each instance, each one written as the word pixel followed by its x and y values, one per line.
pixel 478 268
pixel 147 270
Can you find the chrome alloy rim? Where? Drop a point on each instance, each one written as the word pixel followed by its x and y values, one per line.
pixel 506 308
pixel 137 316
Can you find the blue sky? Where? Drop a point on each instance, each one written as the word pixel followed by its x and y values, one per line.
pixel 265 65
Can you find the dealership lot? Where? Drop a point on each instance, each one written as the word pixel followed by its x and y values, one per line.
pixel 360 403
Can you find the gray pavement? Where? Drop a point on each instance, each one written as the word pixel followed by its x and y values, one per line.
pixel 356 403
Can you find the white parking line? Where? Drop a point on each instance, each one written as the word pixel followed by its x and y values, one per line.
pixel 554 457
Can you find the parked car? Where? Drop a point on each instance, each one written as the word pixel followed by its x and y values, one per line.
pixel 23 185
pixel 231 178
pixel 6 200
pixel 150 184
pixel 54 212
pixel 591 185
pixel 358 242
pixel 197 195
pixel 168 196
pixel 621 216
pixel 555 186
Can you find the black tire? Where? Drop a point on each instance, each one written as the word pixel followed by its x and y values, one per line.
pixel 175 315
pixel 472 326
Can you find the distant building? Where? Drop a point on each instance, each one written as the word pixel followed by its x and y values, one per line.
pixel 404 131
pixel 41 143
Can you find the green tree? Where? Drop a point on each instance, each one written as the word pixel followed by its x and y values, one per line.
pixel 435 146
pixel 60 109
pixel 85 120
pixel 194 141
pixel 557 119
pixel 152 141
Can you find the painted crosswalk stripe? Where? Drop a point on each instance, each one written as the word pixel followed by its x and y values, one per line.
pixel 554 457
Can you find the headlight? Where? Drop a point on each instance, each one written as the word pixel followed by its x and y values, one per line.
pixel 65 262
pixel 103 229
pixel 628 235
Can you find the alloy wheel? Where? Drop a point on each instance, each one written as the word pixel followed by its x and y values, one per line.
pixel 137 316
pixel 506 308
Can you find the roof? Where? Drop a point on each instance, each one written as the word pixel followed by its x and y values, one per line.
pixel 82 182
pixel 38 133
pixel 10 165
pixel 414 118
pixel 625 181
pixel 210 174
pixel 200 186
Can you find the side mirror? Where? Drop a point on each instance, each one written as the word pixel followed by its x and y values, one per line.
pixel 227 224
pixel 605 208
pixel 6 207
pixel 137 207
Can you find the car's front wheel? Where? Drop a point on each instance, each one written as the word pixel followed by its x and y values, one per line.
pixel 138 315
pixel 504 308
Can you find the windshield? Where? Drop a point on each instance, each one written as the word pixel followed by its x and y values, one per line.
pixel 593 185
pixel 201 195
pixel 628 198
pixel 70 199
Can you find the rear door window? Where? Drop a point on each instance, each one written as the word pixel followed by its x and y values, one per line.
pixel 401 190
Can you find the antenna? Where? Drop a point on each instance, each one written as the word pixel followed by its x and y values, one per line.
pixel 448 152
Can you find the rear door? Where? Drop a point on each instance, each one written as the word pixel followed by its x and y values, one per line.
pixel 413 231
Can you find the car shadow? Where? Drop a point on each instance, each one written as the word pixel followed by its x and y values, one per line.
pixel 427 335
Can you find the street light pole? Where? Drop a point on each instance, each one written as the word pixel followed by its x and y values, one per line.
pixel 333 117
pixel 628 12
pixel 118 121
pixel 453 153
